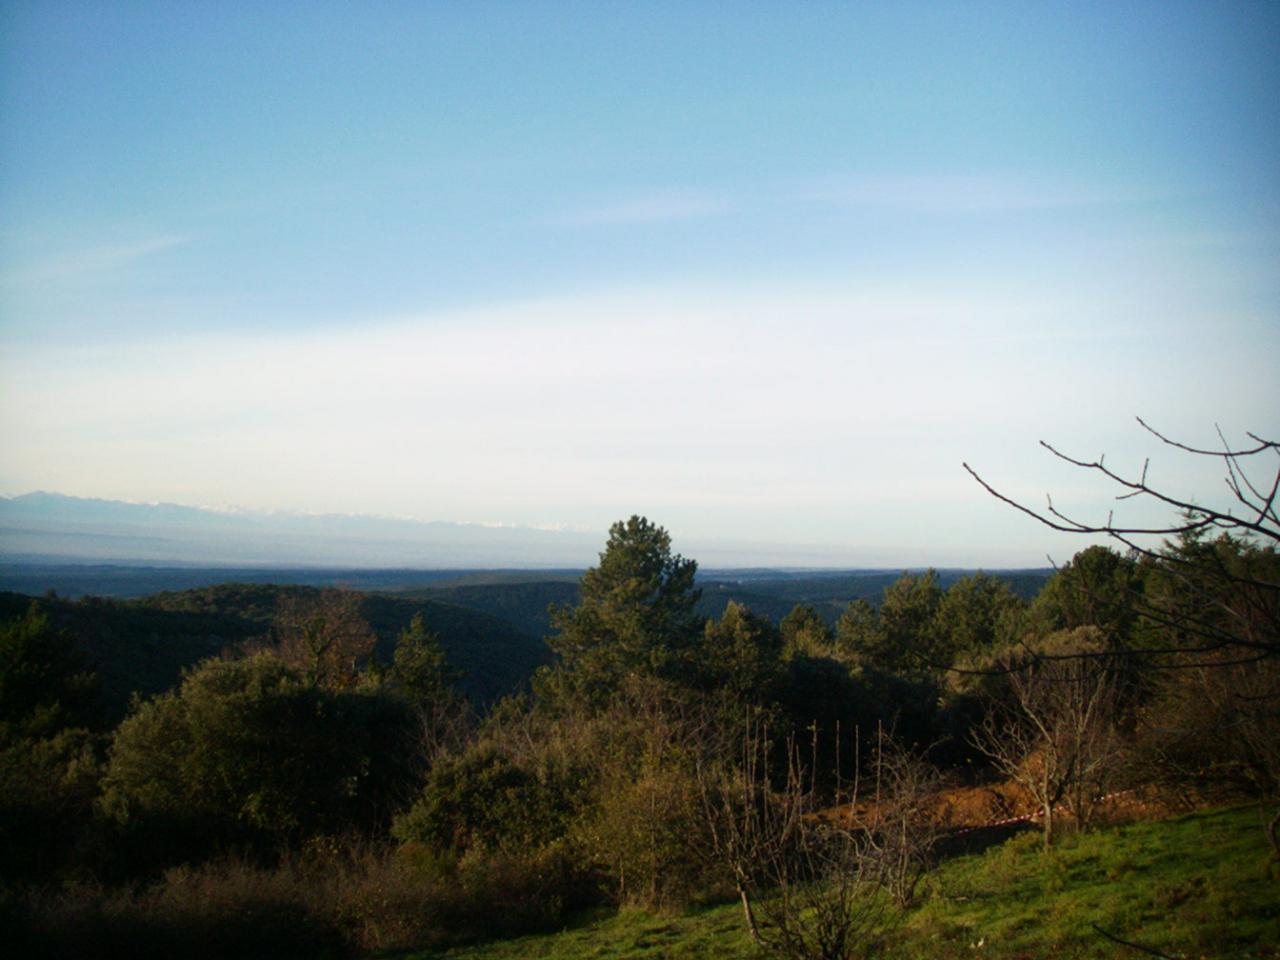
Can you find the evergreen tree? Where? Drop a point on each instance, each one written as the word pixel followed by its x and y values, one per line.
pixel 44 685
pixel 804 632
pixel 419 670
pixel 635 612
pixel 899 635
pixel 742 654
pixel 1096 588
pixel 976 614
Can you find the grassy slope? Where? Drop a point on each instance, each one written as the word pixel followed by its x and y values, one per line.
pixel 1200 884
pixel 1196 885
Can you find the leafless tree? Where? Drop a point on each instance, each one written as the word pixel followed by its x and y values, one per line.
pixel 1227 599
pixel 902 830
pixel 324 635
pixel 1054 733
pixel 815 886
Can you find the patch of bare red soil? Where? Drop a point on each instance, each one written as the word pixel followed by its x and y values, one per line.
pixel 995 804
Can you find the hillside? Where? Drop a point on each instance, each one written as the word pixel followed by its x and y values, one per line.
pixel 141 646
pixel 1194 885
pixel 522 600
pixel 491 623
pixel 130 581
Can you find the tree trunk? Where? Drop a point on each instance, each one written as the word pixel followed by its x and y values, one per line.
pixel 1049 797
pixel 1273 834
pixel 750 916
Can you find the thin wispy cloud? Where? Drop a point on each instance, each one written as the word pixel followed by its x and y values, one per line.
pixel 940 194
pixel 662 206
pixel 954 194
pixel 88 262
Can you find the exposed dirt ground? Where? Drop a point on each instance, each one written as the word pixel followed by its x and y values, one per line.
pixel 995 804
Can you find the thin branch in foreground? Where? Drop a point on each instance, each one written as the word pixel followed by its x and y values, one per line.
pixel 1150 951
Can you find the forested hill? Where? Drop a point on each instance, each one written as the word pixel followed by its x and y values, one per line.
pixel 522 600
pixel 491 625
pixel 141 646
pixel 519 598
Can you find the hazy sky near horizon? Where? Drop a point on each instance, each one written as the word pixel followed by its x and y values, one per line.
pixel 765 272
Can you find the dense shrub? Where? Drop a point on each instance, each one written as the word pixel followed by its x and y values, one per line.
pixel 44 684
pixel 645 831
pixel 48 764
pixel 482 800
pixel 47 789
pixel 247 753
pixel 337 898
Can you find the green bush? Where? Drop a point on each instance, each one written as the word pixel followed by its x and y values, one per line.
pixel 246 753
pixel 47 789
pixel 482 800
pixel 361 901
pixel 48 765
pixel 44 685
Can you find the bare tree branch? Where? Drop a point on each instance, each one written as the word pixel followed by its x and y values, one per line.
pixel 1227 595
pixel 1131 945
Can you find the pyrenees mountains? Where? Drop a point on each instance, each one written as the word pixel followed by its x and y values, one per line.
pixel 54 527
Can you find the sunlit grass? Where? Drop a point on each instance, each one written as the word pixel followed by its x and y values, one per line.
pixel 714 932
pixel 1199 885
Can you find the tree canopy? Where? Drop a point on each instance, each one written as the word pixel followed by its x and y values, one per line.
pixel 635 612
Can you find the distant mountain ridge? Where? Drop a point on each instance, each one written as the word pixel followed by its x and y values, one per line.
pixel 57 527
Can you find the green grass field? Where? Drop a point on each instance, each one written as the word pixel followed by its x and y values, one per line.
pixel 1199 885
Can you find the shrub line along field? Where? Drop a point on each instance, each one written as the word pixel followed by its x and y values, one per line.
pixel 1198 884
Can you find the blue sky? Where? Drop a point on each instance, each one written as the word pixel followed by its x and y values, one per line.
pixel 766 272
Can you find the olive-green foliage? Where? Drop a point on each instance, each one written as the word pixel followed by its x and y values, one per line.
pixel 47 789
pixel 1215 727
pixel 1203 592
pixel 324 636
pixel 742 654
pixel 1096 588
pixel 142 646
pixel 333 899
pixel 483 801
pixel 635 611
pixel 1212 723
pixel 858 632
pixel 419 671
pixel 976 614
pixel 906 618
pixel 612 786
pixel 44 684
pixel 645 829
pixel 805 633
pixel 246 751
pixel 642 828
pixel 900 634
pixel 48 765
